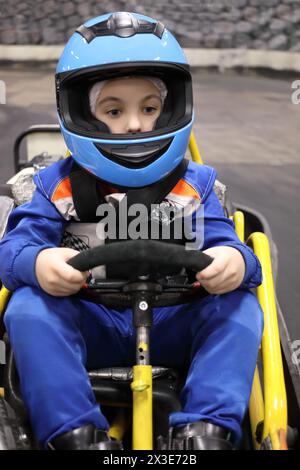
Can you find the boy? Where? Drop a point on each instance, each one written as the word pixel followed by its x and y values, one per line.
pixel 124 97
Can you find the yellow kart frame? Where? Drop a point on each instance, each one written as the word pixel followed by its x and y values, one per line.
pixel 268 404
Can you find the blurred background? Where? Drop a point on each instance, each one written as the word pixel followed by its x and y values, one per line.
pixel 256 24
pixel 245 57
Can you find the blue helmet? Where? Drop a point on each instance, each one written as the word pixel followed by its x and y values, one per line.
pixel 112 46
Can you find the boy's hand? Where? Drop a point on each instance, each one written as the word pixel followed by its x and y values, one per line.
pixel 55 276
pixel 225 273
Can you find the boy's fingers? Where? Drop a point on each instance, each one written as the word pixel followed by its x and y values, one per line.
pixel 214 269
pixel 214 283
pixel 220 284
pixel 64 287
pixel 70 274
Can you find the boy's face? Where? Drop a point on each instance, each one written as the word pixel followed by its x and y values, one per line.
pixel 129 105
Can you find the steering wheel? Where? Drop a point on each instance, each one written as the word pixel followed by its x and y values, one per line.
pixel 147 258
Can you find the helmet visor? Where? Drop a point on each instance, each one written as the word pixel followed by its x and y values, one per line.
pixel 74 107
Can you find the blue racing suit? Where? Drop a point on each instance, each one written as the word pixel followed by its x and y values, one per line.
pixel 55 340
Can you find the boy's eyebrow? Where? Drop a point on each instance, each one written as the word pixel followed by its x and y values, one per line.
pixel 109 98
pixel 151 96
pixel 114 98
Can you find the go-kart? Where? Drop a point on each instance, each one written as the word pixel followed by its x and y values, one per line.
pixel 127 394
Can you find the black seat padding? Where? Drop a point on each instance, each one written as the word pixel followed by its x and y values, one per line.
pixel 112 387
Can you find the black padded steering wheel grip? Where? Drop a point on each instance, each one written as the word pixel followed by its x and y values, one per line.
pixel 155 254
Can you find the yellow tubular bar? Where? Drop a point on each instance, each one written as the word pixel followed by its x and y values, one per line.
pixel 275 408
pixel 239 225
pixel 256 407
pixel 256 403
pixel 142 408
pixel 195 154
pixel 119 426
pixel 4 298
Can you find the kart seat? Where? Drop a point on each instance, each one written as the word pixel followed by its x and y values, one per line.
pixel 110 385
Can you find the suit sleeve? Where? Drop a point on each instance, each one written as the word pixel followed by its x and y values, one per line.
pixel 31 228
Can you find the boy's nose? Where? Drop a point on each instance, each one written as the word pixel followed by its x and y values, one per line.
pixel 134 124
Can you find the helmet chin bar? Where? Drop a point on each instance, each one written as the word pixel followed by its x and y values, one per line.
pixel 134 155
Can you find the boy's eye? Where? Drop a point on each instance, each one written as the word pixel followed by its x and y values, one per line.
pixel 114 112
pixel 149 109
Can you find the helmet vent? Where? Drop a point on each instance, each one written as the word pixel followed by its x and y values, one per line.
pixel 135 155
pixel 123 25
